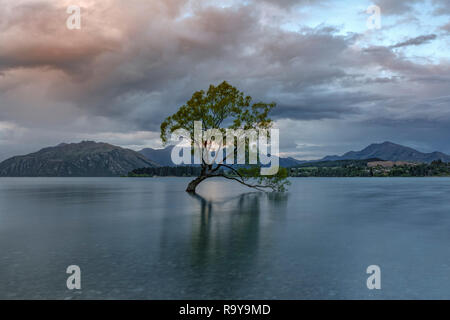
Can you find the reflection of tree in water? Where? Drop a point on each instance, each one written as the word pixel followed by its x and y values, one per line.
pixel 277 202
pixel 225 225
pixel 225 241
pixel 216 251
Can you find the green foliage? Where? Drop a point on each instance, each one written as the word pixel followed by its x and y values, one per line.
pixel 220 107
pixel 278 182
pixel 225 107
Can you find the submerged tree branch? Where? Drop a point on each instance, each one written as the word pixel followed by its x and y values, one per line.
pixel 256 186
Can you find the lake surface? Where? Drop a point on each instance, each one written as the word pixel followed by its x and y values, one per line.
pixel 148 239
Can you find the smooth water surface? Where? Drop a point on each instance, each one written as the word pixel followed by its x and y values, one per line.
pixel 148 239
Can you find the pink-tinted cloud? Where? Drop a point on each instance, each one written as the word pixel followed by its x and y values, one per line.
pixel 134 62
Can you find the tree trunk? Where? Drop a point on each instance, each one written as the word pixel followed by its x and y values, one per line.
pixel 194 183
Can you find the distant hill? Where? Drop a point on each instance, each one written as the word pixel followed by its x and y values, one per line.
pixel 160 156
pixel 290 162
pixel 391 152
pixel 92 159
pixel 84 159
pixel 163 157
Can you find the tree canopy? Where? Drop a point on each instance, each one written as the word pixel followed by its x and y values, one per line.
pixel 224 108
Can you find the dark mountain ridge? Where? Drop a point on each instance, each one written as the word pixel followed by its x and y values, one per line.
pixel 160 156
pixel 97 159
pixel 84 159
pixel 390 152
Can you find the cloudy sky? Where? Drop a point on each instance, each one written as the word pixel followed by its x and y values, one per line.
pixel 338 84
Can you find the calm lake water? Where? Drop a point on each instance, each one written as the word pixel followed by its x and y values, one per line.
pixel 148 239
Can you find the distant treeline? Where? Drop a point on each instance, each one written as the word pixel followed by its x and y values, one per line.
pixel 339 163
pixel 181 171
pixel 435 169
pixel 340 168
pixel 359 169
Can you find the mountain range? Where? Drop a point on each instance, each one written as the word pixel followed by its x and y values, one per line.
pixel 84 159
pixel 97 159
pixel 390 152
pixel 160 156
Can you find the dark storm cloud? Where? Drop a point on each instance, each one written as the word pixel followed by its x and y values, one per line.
pixel 396 7
pixel 386 59
pixel 144 77
pixel 417 41
pixel 134 63
pixel 403 7
pixel 442 7
pixel 326 106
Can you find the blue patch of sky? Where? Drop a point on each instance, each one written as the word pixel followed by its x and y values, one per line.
pixel 351 17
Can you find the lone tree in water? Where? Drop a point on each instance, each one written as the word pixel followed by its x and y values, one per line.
pixel 224 109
